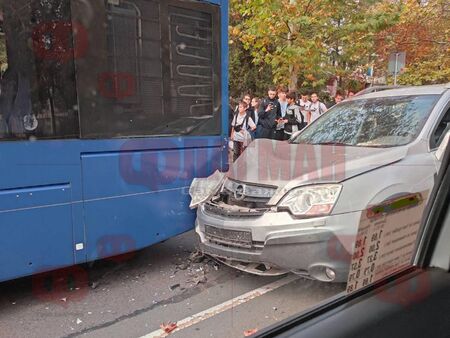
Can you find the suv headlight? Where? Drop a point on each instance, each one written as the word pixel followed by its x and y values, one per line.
pixel 315 200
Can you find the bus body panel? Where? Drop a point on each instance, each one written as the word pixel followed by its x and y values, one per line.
pixel 70 201
pixel 135 198
pixel 37 232
pixel 104 197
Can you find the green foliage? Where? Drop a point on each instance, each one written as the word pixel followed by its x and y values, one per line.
pixel 431 71
pixel 306 42
pixel 423 32
pixel 245 75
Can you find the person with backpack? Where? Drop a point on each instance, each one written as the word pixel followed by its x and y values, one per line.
pixel 241 124
pixel 293 120
pixel 304 104
pixel 268 114
pixel 316 108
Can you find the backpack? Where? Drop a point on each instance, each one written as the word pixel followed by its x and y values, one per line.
pixel 320 108
pixel 237 128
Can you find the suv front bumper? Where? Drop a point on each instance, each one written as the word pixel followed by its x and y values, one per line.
pixel 280 242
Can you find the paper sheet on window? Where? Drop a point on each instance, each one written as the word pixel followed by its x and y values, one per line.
pixel 386 239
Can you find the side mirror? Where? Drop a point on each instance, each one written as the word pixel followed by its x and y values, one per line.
pixel 441 150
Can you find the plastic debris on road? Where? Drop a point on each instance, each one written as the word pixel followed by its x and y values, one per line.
pixel 169 327
pixel 248 333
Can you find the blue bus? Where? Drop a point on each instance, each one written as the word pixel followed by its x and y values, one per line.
pixel 108 110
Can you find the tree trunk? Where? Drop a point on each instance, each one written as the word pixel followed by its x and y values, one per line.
pixel 293 69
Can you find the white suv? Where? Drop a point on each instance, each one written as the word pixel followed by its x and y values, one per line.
pixel 296 205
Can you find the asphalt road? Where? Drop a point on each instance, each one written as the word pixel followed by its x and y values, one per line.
pixel 132 296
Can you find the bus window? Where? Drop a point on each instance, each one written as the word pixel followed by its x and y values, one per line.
pixel 152 71
pixel 38 92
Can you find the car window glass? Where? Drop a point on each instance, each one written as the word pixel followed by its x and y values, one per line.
pixel 372 122
pixel 442 128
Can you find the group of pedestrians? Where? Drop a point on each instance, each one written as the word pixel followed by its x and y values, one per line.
pixel 276 116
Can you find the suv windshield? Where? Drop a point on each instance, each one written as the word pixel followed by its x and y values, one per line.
pixel 375 122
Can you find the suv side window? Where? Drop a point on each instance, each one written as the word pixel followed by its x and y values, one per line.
pixel 441 130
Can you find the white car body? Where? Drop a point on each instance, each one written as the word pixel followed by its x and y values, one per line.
pixel 269 240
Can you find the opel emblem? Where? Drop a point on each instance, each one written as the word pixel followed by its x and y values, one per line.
pixel 239 193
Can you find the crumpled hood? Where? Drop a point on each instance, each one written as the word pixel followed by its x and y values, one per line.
pixel 276 163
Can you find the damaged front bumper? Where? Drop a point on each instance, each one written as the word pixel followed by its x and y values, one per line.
pixel 272 243
pixel 237 225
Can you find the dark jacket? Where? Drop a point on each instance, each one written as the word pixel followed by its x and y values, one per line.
pixel 267 119
pixel 251 113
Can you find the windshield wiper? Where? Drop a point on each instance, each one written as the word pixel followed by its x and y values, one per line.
pixel 375 145
pixel 332 144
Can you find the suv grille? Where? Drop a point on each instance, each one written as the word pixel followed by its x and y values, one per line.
pixel 246 195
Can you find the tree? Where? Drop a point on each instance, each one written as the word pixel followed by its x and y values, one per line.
pixel 245 74
pixel 310 41
pixel 423 32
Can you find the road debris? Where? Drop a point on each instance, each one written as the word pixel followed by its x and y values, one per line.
pixel 248 333
pixel 174 286
pixel 195 268
pixel 169 327
pixel 214 264
pixel 200 279
pixel 182 266
pixel 197 277
pixel 197 256
pixel 79 321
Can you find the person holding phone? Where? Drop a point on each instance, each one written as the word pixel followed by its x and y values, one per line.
pixel 268 114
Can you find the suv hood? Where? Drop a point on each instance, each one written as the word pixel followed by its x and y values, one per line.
pixel 277 163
